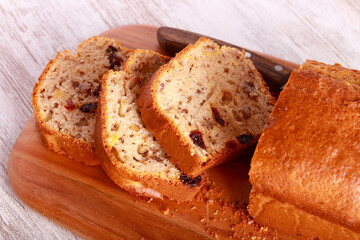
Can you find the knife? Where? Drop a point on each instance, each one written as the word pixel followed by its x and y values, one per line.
pixel 275 71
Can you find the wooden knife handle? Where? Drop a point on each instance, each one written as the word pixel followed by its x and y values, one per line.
pixel 275 71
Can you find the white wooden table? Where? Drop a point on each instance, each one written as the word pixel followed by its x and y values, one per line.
pixel 32 32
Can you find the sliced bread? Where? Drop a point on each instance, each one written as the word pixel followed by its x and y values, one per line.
pixel 206 106
pixel 65 97
pixel 128 152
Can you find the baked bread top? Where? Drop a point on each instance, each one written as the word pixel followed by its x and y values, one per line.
pixel 66 95
pixel 206 105
pixel 308 154
pixel 128 152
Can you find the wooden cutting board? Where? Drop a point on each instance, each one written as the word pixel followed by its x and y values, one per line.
pixel 85 201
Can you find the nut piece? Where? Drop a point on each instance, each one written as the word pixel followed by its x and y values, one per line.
pixel 246 112
pixel 143 150
pixel 135 127
pixel 82 122
pixel 58 94
pixel 85 87
pixel 226 98
pixel 196 136
pixel 250 90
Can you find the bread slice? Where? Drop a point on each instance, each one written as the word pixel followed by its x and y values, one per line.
pixel 65 97
pixel 206 106
pixel 308 155
pixel 128 152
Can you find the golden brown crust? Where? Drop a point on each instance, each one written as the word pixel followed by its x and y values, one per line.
pixel 137 184
pixel 55 140
pixel 292 221
pixel 312 139
pixel 170 137
pixel 335 71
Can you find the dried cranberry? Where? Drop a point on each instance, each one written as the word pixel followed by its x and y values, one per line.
pixel 191 182
pixel 89 107
pixel 245 138
pixel 196 136
pixel 97 90
pixel 114 61
pixel 217 117
pixel 70 105
pixel 111 49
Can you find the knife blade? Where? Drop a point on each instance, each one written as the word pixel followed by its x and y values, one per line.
pixel 275 71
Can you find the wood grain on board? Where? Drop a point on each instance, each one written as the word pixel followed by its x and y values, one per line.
pixel 85 201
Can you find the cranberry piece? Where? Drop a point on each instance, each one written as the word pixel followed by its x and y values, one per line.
pixel 70 105
pixel 89 107
pixel 197 138
pixel 191 182
pixel 114 61
pixel 217 117
pixel 245 138
pixel 111 49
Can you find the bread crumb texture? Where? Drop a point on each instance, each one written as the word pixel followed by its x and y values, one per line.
pixel 133 145
pixel 65 98
pixel 214 97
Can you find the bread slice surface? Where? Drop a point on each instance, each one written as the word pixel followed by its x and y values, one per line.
pixel 65 97
pixel 308 154
pixel 128 152
pixel 206 106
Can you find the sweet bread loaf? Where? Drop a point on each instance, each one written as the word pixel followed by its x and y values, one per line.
pixel 65 97
pixel 308 155
pixel 293 223
pixel 205 106
pixel 128 152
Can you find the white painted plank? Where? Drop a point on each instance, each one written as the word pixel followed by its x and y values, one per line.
pixel 33 31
